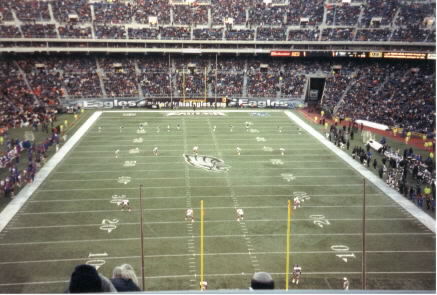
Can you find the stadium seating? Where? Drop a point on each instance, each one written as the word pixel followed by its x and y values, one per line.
pixel 395 94
pixel 362 20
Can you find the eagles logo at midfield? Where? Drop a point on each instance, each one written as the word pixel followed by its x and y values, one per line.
pixel 206 163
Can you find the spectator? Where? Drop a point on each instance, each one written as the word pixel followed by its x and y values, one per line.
pixel 262 280
pixel 86 279
pixel 124 279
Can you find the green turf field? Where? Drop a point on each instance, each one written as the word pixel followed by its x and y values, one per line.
pixel 73 218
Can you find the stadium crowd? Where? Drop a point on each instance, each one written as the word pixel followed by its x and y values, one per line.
pixel 370 20
pixel 394 94
pixel 20 107
pixel 407 172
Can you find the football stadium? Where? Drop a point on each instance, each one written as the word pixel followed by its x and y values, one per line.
pixel 228 146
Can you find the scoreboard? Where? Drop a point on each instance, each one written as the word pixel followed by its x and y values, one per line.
pixel 355 54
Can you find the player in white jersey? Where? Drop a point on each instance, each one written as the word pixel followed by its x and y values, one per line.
pixel 189 215
pixel 157 129
pixel 155 151
pixel 124 204
pixel 203 285
pixel 345 284
pixel 247 126
pixel 100 129
pixel 178 127
pixel 168 128
pixel 214 128
pixel 116 153
pixel 238 150
pixel 121 129
pixel 231 128
pixel 240 214
pixel 282 150
pixel 195 150
pixel 296 203
pixel 280 129
pixel 297 272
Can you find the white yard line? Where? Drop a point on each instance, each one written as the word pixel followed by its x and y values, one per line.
pixel 214 254
pixel 18 202
pixel 209 208
pixel 239 236
pixel 198 186
pixel 211 221
pixel 100 151
pixel 183 197
pixel 181 170
pixel 173 162
pixel 230 155
pixel 424 218
pixel 189 226
pixel 109 145
pixel 197 177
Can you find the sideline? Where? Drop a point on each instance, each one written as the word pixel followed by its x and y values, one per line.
pixel 18 202
pixel 425 219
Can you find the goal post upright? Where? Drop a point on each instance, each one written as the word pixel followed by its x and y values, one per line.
pixel 142 238
pixel 287 253
pixel 201 243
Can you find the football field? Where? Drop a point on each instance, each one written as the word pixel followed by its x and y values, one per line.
pixel 74 216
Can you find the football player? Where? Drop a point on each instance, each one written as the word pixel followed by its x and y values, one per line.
pixel 282 151
pixel 157 129
pixel 238 150
pixel 178 127
pixel 100 129
pixel 203 285
pixel 116 153
pixel 213 128
pixel 240 214
pixel 297 272
pixel 296 203
pixel 121 129
pixel 124 204
pixel 189 215
pixel 168 128
pixel 155 151
pixel 231 128
pixel 345 284
pixel 195 150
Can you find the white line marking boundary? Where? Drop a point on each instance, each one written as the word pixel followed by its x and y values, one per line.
pixel 18 202
pixel 425 219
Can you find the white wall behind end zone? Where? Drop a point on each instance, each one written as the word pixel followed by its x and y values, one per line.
pixel 424 218
pixel 12 208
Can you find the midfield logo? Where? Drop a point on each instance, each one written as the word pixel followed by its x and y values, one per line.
pixel 206 163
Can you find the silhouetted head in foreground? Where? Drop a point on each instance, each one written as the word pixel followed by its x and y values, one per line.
pixel 262 280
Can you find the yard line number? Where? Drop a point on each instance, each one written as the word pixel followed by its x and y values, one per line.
pixel 96 259
pixel 343 252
